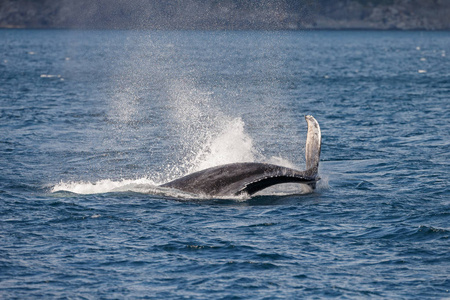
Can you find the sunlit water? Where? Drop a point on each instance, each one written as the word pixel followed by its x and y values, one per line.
pixel 92 121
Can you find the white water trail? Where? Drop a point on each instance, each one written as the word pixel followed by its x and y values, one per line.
pixel 105 186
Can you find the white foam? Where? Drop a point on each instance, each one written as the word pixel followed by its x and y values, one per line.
pixel 323 183
pixel 50 76
pixel 104 186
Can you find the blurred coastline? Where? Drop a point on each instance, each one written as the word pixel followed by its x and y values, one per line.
pixel 227 14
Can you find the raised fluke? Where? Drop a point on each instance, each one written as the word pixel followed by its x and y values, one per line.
pixel 313 145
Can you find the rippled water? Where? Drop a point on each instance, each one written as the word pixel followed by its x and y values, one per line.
pixel 92 121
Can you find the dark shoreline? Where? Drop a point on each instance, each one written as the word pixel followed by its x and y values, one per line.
pixel 229 30
pixel 429 15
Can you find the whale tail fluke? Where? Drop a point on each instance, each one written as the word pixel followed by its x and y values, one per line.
pixel 312 149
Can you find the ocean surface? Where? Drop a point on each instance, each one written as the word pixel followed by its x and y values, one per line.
pixel 91 122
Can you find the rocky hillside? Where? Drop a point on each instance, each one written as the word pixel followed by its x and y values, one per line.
pixel 227 14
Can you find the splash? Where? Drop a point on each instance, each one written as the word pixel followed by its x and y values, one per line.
pixel 208 136
pixel 231 145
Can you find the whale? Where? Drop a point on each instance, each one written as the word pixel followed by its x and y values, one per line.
pixel 248 178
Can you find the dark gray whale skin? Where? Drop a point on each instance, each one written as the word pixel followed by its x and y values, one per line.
pixel 235 179
pixel 238 178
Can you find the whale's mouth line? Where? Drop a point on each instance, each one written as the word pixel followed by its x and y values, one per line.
pixel 253 187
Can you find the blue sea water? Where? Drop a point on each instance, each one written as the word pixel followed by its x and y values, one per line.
pixel 92 121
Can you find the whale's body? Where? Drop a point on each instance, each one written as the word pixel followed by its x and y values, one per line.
pixel 238 178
